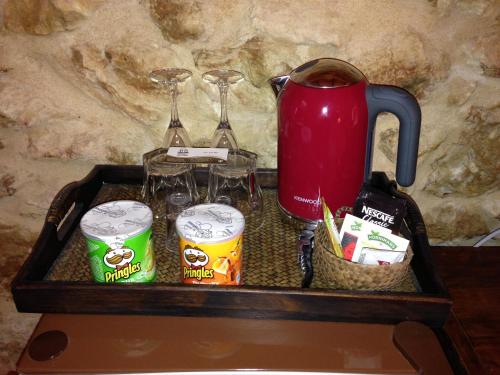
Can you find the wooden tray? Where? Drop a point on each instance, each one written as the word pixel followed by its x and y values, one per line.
pixel 42 286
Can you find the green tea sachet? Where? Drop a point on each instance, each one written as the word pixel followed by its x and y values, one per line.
pixel 333 233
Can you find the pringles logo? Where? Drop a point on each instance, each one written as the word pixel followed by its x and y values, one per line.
pixel 196 260
pixel 121 260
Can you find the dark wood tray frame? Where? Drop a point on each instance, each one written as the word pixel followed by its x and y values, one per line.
pixel 33 294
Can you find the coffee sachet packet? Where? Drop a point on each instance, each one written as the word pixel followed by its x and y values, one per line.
pixel 380 208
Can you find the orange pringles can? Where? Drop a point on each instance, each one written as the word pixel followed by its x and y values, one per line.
pixel 211 244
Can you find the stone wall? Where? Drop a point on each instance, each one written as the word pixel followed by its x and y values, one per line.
pixel 74 92
pixel 74 89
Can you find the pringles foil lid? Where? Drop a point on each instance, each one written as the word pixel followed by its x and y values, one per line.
pixel 210 223
pixel 114 222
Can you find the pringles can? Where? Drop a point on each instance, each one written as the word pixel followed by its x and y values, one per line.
pixel 211 244
pixel 119 242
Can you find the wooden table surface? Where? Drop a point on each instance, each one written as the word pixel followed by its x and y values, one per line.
pixel 472 276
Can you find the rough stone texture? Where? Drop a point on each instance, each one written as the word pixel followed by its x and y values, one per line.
pixel 467 222
pixel 471 166
pixel 74 90
pixel 16 328
pixel 6 185
pixel 42 17
pixel 179 20
pixel 491 54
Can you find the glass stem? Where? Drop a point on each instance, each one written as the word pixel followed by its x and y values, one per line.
pixel 174 114
pixel 224 122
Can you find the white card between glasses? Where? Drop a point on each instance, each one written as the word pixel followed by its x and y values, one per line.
pixel 198 152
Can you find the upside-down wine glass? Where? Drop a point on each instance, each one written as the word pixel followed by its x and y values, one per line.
pixel 224 136
pixel 176 135
pixel 169 187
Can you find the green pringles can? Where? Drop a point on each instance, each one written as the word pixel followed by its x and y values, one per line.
pixel 119 242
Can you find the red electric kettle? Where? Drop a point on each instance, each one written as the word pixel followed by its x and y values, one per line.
pixel 326 118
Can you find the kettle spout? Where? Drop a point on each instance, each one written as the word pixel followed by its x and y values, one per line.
pixel 277 83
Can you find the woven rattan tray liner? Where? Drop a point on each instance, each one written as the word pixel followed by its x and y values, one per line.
pixel 269 251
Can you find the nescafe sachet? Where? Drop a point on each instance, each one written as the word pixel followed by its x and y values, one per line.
pixel 380 208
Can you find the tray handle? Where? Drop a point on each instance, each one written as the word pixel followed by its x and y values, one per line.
pixel 62 202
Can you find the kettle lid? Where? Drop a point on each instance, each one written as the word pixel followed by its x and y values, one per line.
pixel 327 73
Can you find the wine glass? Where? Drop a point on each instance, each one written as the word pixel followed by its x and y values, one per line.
pixel 176 135
pixel 224 136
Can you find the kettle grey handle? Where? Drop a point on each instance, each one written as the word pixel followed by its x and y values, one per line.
pixel 383 98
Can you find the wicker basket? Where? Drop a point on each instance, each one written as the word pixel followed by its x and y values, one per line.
pixel 343 274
